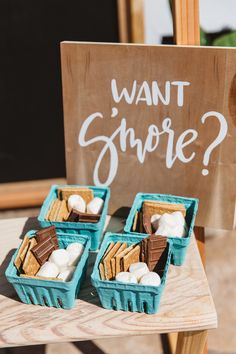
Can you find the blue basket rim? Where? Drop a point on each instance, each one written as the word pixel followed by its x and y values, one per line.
pixel 167 195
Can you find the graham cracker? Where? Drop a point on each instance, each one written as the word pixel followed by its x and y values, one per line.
pixel 102 271
pixel 113 260
pixel 66 192
pixel 119 257
pixel 57 209
pixel 48 212
pixel 134 227
pixel 30 265
pixel 155 207
pixel 50 209
pixel 108 249
pixel 22 252
pixel 107 260
pixel 63 212
pixel 131 257
pixel 101 265
pixel 140 222
pixel 54 210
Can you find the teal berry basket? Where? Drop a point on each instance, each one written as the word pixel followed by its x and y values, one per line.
pixel 128 297
pixel 93 230
pixel 179 244
pixel 52 293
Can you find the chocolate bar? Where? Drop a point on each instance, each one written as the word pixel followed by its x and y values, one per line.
pixel 73 217
pixel 43 249
pixel 83 217
pixel 140 222
pixel 147 223
pixel 43 234
pixel 48 231
pixel 152 249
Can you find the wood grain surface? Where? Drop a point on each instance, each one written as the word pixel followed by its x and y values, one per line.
pixel 137 21
pixel 105 135
pixel 186 304
pixel 123 15
pixel 191 342
pixel 186 22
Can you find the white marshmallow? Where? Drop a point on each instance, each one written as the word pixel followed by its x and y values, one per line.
pixel 75 251
pixel 61 258
pixel 172 225
pixel 49 270
pixel 150 278
pixel 95 206
pixel 155 220
pixel 77 203
pixel 138 269
pixel 126 277
pixel 75 247
pixel 66 274
pixel 179 217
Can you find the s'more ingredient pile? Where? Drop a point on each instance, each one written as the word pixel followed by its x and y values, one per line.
pixel 75 205
pixel 161 218
pixel 41 257
pixel 138 264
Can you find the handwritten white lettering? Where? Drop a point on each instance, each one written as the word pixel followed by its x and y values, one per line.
pixel 151 96
pixel 124 137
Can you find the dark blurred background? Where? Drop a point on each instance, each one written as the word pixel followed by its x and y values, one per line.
pixel 31 133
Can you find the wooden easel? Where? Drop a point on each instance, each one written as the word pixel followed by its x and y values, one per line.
pixel 88 320
pixel 186 28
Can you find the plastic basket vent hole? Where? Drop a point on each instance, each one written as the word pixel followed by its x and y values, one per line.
pixel 113 303
pixel 30 298
pixel 59 301
pixel 130 307
pixel 45 301
pixel 145 307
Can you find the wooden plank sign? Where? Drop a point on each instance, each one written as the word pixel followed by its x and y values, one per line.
pixel 158 119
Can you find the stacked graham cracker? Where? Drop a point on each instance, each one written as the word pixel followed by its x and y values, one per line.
pixel 118 258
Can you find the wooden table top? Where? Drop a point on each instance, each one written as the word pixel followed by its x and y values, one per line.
pixel 186 303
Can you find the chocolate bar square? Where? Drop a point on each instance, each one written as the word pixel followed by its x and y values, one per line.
pixel 73 217
pixel 152 248
pixel 48 232
pixel 43 250
pixel 85 217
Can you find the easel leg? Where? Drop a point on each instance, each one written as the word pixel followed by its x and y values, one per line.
pixel 172 338
pixel 200 237
pixel 191 342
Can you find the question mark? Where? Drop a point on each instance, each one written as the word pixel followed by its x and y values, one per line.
pixel 220 137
